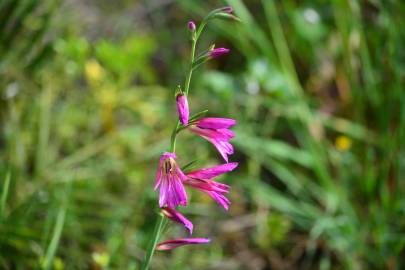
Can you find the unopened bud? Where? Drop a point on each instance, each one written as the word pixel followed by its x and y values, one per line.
pixel 191 26
pixel 218 52
pixel 227 9
pixel 182 108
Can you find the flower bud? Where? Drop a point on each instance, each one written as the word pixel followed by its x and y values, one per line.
pixel 218 52
pixel 191 26
pixel 227 9
pixel 182 108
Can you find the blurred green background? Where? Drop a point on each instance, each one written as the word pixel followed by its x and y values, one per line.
pixel 87 105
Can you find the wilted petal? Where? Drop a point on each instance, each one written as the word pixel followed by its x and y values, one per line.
pixel 177 217
pixel 215 123
pixel 182 108
pixel 172 244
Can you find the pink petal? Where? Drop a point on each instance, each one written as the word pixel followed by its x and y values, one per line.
pixel 158 179
pixel 219 138
pixel 172 192
pixel 216 123
pixel 207 185
pixel 223 147
pixel 177 217
pixel 218 134
pixel 172 244
pixel 220 198
pixel 208 173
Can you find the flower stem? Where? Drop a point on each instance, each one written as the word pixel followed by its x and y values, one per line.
pixel 173 138
pixel 186 89
pixel 156 235
pixel 190 72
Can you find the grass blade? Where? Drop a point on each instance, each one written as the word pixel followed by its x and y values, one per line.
pixel 4 194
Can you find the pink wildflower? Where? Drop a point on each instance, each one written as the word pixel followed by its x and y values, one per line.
pixel 201 180
pixel 216 131
pixel 170 180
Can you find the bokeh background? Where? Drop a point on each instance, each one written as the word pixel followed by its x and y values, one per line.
pixel 87 106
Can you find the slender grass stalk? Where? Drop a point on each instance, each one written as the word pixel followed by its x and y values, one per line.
pixel 53 246
pixel 4 194
pixel 44 119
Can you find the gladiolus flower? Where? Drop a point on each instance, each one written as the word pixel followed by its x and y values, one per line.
pixel 172 244
pixel 170 180
pixel 216 131
pixel 191 26
pixel 214 53
pixel 201 180
pixel 177 217
pixel 182 108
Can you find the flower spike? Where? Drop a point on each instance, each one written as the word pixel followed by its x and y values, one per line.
pixel 170 179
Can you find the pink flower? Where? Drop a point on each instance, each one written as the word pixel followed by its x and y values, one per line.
pixel 201 180
pixel 172 244
pixel 216 131
pixel 177 217
pixel 191 26
pixel 170 180
pixel 214 53
pixel 182 108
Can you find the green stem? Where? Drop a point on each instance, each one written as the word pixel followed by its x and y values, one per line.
pixel 186 90
pixel 173 138
pixel 151 249
pixel 190 72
